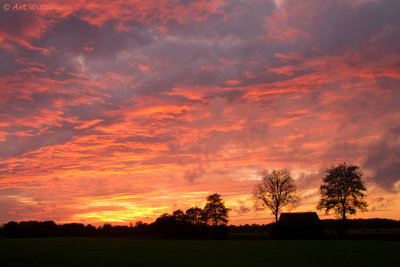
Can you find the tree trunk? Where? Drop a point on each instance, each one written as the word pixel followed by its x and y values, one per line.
pixel 343 224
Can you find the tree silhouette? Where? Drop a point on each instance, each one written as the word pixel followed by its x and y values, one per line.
pixel 275 191
pixel 195 215
pixel 215 210
pixel 342 190
pixel 169 226
pixel 179 215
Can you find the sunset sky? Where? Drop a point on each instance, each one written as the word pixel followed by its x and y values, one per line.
pixel 118 111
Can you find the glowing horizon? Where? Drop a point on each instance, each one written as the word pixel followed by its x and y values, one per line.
pixel 121 111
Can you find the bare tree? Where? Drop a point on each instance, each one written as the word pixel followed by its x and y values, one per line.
pixel 275 191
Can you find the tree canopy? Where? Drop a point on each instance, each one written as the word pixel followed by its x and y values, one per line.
pixel 343 191
pixel 215 211
pixel 195 222
pixel 275 191
pixel 195 215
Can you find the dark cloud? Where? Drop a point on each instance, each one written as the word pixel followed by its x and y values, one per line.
pixel 8 65
pixel 383 158
pixel 192 175
pixel 308 181
pixel 15 145
pixel 243 210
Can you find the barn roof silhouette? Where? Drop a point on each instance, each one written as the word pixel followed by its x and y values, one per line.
pixel 299 219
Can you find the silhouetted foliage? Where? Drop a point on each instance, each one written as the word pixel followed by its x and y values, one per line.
pixel 30 229
pixel 168 226
pixel 46 229
pixel 215 211
pixel 342 190
pixel 11 229
pixel 193 222
pixel 375 223
pixel 195 215
pixel 178 225
pixel 275 191
pixel 141 229
pixel 247 228
pixel 75 229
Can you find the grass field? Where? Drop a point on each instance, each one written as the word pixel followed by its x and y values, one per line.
pixel 133 252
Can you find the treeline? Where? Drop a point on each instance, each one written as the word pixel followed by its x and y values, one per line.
pixel 363 224
pixel 174 225
pixel 168 227
pixel 207 222
pixel 327 224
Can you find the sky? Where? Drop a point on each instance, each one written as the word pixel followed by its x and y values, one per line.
pixel 119 111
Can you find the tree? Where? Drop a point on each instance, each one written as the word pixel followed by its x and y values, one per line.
pixel 275 191
pixel 342 190
pixel 195 215
pixel 215 210
pixel 179 215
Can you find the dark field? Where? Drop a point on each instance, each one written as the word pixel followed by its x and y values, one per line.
pixel 133 252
